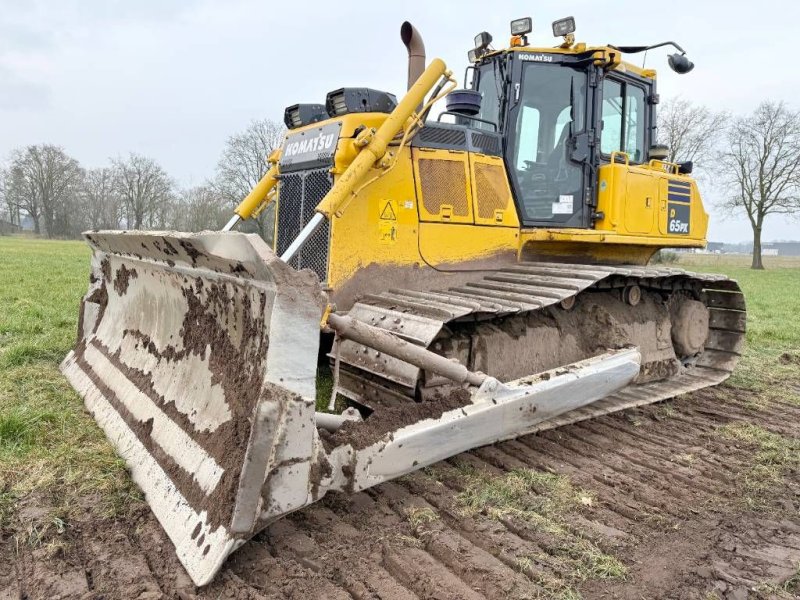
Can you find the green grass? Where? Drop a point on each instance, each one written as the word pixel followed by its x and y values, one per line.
pixel 49 447
pixel 544 501
pixel 774 456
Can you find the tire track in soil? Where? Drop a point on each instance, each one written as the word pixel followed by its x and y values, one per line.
pixel 664 499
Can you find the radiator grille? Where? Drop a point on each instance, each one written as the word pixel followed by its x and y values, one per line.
pixel 492 191
pixel 444 182
pixel 299 194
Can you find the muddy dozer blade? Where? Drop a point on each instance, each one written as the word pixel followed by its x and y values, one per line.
pixel 193 351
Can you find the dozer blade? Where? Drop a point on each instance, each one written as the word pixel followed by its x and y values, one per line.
pixel 194 350
pixel 197 355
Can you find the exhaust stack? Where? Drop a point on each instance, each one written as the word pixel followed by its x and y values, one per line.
pixel 416 53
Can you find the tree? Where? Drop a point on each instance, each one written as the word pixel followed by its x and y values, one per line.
pixel 145 190
pixel 692 132
pixel 11 209
pixel 42 181
pixel 99 199
pixel 200 208
pixel 762 166
pixel 243 164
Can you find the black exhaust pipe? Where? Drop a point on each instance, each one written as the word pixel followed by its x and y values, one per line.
pixel 416 51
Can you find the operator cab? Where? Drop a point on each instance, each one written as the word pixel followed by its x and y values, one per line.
pixel 563 112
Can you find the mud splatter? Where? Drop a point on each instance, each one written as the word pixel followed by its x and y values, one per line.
pixel 190 250
pixel 105 268
pixel 122 279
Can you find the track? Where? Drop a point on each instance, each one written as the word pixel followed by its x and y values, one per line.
pixel 434 319
pixel 662 494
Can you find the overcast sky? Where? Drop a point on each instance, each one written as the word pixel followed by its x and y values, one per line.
pixel 173 79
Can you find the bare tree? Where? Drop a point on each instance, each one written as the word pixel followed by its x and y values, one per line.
pixel 42 181
pixel 100 200
pixel 691 131
pixel 200 208
pixel 244 162
pixel 762 166
pixel 10 208
pixel 145 190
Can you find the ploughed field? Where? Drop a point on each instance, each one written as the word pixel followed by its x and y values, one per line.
pixel 698 497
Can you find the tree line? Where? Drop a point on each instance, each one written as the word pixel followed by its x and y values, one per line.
pixel 62 198
pixel 754 160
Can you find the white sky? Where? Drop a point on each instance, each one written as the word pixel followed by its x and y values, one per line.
pixel 173 79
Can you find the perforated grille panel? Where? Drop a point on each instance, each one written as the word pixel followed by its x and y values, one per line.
pixel 492 191
pixel 299 194
pixel 442 135
pixel 443 182
pixel 488 144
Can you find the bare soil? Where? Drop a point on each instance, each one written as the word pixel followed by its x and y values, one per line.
pixel 665 496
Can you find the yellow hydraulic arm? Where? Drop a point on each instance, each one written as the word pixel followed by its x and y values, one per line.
pixel 372 143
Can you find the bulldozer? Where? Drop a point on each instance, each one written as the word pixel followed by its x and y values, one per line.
pixel 466 278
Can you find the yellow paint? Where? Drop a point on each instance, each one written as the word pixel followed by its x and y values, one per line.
pixel 360 236
pixel 492 202
pixel 604 56
pixel 374 145
pixel 259 197
pixel 396 206
pixel 634 201
pixel 391 222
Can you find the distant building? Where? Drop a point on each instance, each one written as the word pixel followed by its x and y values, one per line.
pixel 767 249
pixel 787 248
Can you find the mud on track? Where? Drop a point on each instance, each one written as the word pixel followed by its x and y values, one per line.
pixel 660 489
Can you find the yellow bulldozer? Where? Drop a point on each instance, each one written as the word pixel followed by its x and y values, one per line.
pixel 467 278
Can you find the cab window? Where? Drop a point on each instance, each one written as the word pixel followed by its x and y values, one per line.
pixel 528 149
pixel 624 119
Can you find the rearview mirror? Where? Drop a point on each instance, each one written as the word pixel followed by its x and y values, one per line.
pixel 679 63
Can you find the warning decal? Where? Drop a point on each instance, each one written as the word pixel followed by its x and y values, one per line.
pixel 389 213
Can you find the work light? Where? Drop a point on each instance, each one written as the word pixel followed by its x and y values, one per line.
pixel 482 40
pixel 521 26
pixel 564 26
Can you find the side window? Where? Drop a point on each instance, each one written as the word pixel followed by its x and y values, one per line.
pixel 634 123
pixel 611 137
pixel 624 119
pixel 490 103
pixel 528 136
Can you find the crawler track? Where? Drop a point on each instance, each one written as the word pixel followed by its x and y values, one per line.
pixel 528 288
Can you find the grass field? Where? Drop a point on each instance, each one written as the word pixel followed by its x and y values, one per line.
pixel 49 444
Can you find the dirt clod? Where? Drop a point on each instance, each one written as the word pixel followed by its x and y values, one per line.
pixel 390 418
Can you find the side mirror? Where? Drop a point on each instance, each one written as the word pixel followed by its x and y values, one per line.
pixel 679 63
pixel 685 168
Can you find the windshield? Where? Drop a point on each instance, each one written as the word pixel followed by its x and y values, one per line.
pixel 551 107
